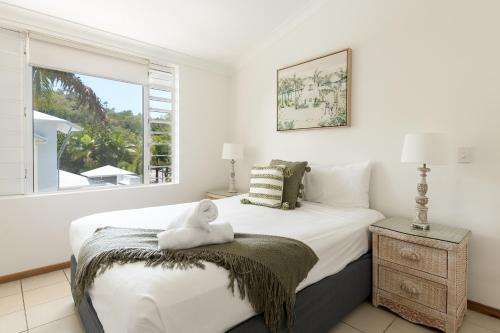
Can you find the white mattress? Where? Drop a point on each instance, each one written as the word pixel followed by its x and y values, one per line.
pixel 133 298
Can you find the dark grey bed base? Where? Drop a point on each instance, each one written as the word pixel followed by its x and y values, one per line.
pixel 318 307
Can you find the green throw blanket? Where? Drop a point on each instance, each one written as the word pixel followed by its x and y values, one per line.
pixel 267 269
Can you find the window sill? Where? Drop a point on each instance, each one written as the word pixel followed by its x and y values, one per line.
pixel 86 190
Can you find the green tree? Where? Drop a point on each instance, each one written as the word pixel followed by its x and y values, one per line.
pixel 115 138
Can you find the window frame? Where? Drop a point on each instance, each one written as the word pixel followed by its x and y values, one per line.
pixel 30 177
pixel 29 171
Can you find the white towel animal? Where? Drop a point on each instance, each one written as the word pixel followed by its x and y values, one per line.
pixel 195 227
pixel 199 216
pixel 184 238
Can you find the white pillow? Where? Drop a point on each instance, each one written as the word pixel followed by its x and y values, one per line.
pixel 339 185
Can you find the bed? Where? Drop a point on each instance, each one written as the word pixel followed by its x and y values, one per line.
pixel 133 298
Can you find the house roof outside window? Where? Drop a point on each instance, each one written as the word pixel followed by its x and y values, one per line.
pixel 68 180
pixel 63 125
pixel 106 171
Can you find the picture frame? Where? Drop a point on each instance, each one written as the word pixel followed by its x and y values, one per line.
pixel 315 93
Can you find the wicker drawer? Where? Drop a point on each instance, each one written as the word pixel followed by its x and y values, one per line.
pixel 423 258
pixel 414 288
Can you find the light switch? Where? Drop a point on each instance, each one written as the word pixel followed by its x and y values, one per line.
pixel 464 154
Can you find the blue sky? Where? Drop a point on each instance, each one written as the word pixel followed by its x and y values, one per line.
pixel 119 95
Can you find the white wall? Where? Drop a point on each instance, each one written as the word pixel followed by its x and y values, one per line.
pixel 34 229
pixel 417 66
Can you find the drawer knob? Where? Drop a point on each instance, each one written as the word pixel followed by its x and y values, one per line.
pixel 409 254
pixel 410 288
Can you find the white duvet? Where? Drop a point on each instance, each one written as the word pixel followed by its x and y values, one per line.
pixel 137 299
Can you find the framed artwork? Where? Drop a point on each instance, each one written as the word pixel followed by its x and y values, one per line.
pixel 315 93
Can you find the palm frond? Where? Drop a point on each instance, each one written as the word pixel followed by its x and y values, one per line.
pixel 44 81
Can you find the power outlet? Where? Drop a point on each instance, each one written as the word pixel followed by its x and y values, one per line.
pixel 464 155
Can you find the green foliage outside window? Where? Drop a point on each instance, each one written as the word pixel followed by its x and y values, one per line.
pixel 109 137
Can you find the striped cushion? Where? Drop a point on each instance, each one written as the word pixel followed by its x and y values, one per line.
pixel 266 186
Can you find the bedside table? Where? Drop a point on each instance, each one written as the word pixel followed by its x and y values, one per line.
pixel 220 194
pixel 421 274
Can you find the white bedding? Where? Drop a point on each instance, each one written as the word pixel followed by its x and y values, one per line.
pixel 133 298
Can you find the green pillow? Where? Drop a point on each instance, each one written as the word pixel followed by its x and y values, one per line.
pixel 294 172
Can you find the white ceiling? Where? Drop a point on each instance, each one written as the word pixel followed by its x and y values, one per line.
pixel 222 31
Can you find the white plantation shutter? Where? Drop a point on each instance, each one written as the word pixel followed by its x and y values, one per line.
pixel 159 114
pixel 12 168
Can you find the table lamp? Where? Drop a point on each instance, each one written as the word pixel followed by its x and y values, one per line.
pixel 424 149
pixel 233 152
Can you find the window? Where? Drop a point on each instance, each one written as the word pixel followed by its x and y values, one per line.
pixel 159 124
pixel 91 117
pixel 87 131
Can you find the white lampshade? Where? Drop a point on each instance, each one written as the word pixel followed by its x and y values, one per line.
pixel 232 151
pixel 429 148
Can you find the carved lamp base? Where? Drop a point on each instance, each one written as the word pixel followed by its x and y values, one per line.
pixel 420 220
pixel 232 179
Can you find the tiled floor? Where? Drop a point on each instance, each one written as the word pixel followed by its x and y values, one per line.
pixel 39 304
pixel 43 304
pixel 368 319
